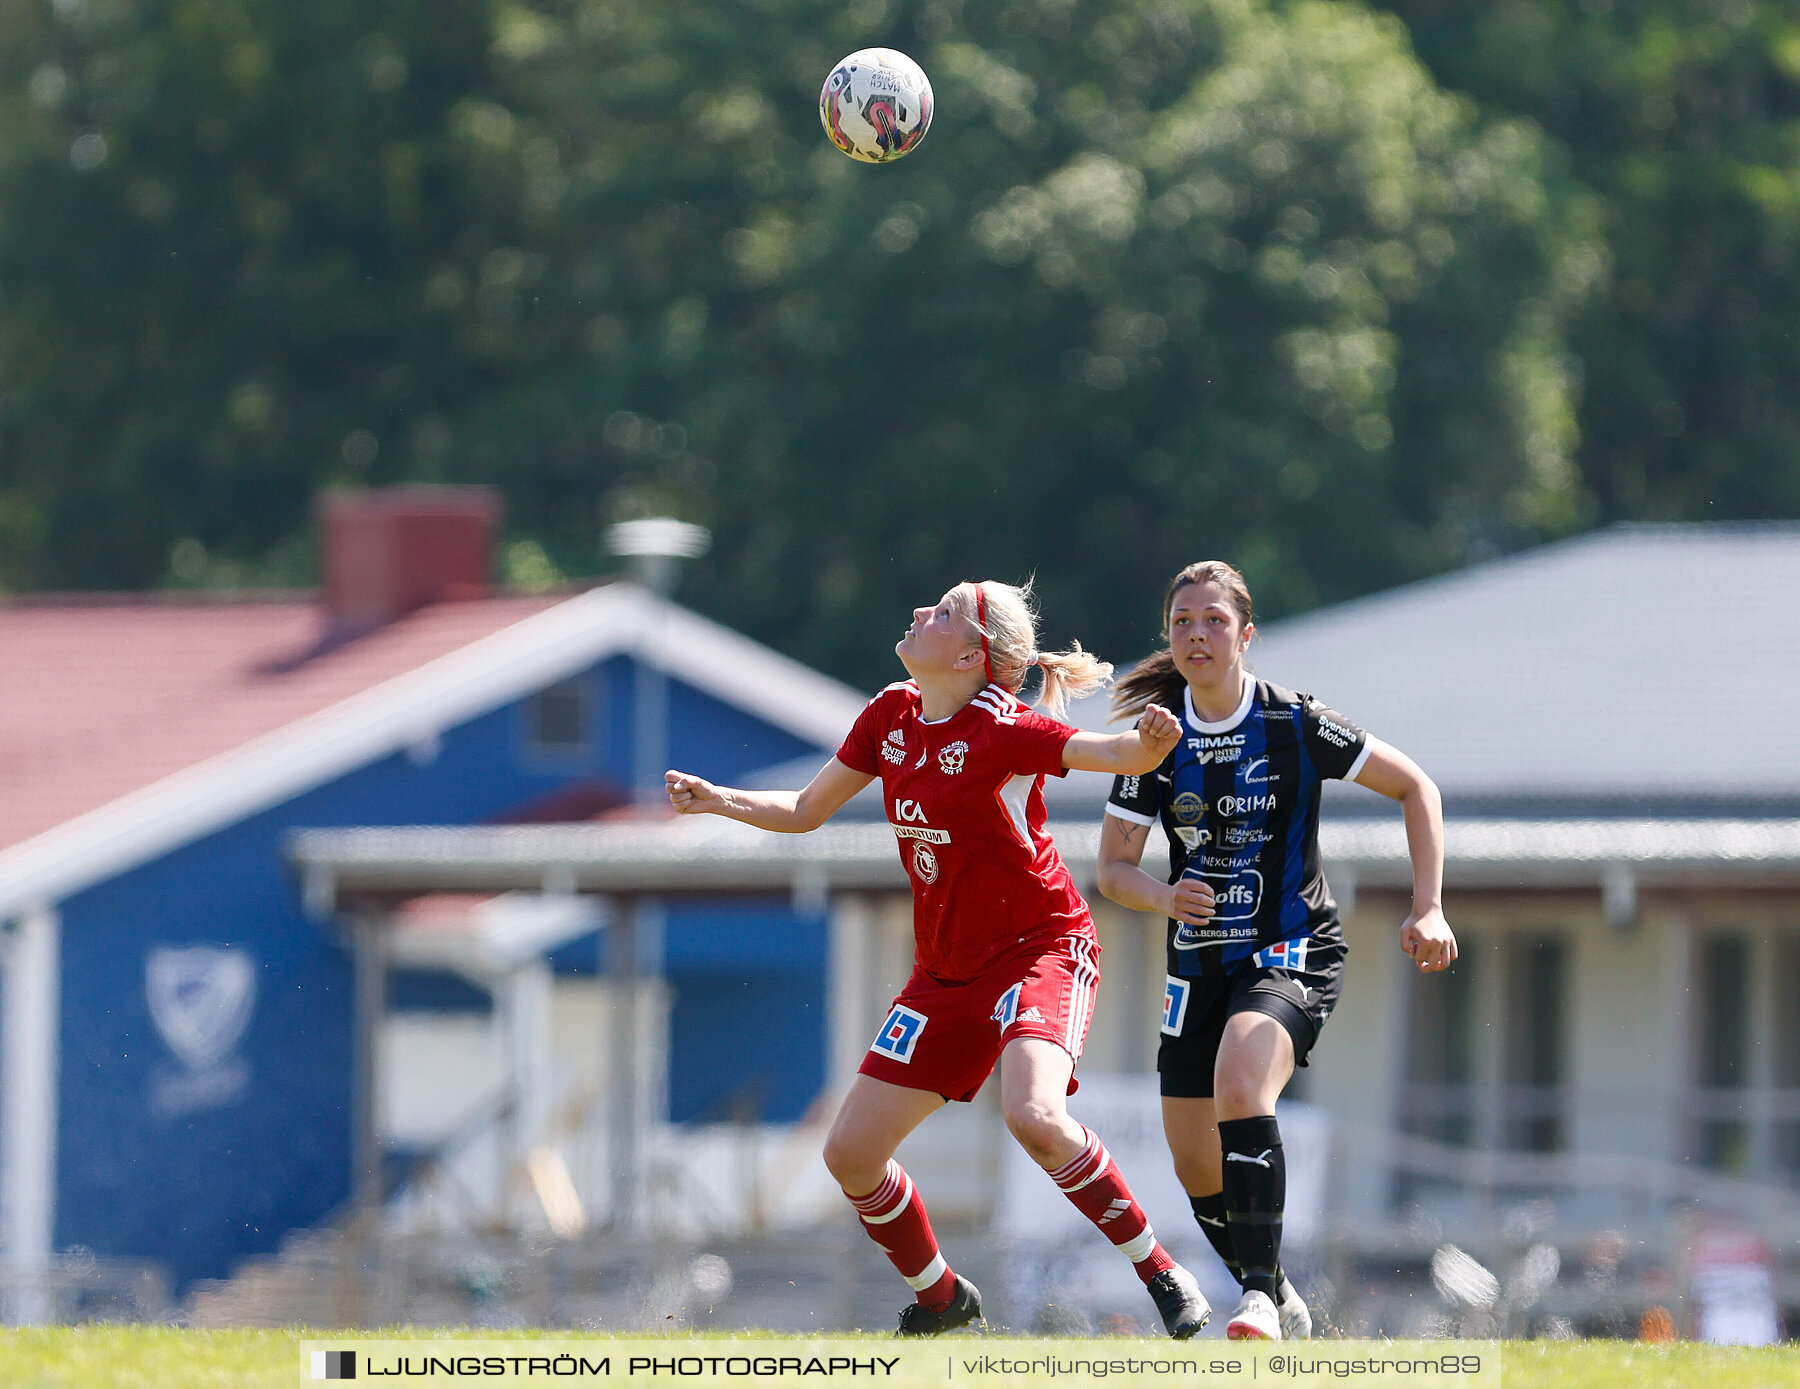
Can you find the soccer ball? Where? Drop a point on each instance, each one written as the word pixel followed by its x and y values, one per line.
pixel 876 105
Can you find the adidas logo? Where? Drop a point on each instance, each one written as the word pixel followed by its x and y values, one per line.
pixel 1114 1211
pixel 1032 1014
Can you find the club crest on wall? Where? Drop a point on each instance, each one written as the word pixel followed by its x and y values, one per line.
pixel 201 999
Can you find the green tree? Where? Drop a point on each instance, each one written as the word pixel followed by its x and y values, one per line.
pixel 1169 277
pixel 217 235
pixel 1164 280
pixel 1684 120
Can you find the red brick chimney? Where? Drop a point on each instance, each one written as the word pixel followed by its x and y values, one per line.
pixel 384 553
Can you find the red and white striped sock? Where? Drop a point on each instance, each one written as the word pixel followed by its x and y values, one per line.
pixel 894 1215
pixel 1092 1182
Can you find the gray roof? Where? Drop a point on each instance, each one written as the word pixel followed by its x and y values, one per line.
pixel 1646 666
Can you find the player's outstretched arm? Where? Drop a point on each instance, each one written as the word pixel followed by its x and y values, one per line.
pixel 1123 881
pixel 1132 753
pixel 790 812
pixel 1424 935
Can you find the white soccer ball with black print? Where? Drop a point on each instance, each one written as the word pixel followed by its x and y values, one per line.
pixel 876 105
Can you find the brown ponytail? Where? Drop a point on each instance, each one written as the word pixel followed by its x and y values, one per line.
pixel 1155 680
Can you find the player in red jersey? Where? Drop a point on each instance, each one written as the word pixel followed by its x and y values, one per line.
pixel 1006 961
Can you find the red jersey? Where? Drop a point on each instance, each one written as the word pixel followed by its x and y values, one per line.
pixel 965 796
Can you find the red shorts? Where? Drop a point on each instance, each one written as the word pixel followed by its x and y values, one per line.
pixel 947 1037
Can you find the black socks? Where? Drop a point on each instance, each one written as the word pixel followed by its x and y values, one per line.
pixel 1255 1192
pixel 1210 1212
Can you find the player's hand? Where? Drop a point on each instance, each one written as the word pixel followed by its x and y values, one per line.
pixel 1158 730
pixel 1191 900
pixel 692 795
pixel 1427 937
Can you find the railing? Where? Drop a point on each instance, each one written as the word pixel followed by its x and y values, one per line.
pixel 1609 1188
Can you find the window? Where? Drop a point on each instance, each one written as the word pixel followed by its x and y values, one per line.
pixel 559 721
pixel 1532 1068
pixel 1786 1057
pixel 1439 1099
pixel 1723 1060
pixel 1476 1083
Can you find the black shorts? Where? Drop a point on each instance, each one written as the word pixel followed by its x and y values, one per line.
pixel 1195 1011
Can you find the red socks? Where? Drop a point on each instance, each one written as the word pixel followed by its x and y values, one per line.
pixel 1092 1182
pixel 894 1215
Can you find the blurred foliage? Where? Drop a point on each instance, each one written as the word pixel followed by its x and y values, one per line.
pixel 1168 278
pixel 1683 118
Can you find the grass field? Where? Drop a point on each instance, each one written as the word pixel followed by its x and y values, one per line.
pixel 102 1357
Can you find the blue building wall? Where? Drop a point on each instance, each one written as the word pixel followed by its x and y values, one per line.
pixel 747 1025
pixel 200 1166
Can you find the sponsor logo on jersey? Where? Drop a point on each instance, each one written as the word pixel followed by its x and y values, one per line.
pixel 1255 773
pixel 1217 747
pixel 1237 836
pixel 1335 733
pixel 916 827
pixel 924 832
pixel 1175 1002
pixel 1192 836
pixel 1237 892
pixel 950 760
pixel 894 749
pixel 1188 808
pixel 1193 937
pixel 899 1034
pixel 1008 1006
pixel 1240 896
pixel 1128 788
pixel 925 863
pixel 1284 954
pixel 1246 804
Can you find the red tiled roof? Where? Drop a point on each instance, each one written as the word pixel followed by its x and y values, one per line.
pixel 101 697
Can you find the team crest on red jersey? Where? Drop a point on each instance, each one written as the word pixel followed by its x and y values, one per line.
pixel 950 760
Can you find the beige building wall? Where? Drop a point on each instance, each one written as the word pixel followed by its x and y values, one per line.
pixel 1629 1017
pixel 1626 1027
pixel 1354 1070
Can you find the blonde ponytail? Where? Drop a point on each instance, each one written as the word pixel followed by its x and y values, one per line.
pixel 1069 675
pixel 1003 616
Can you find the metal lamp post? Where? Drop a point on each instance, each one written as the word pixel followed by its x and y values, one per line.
pixel 655 546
